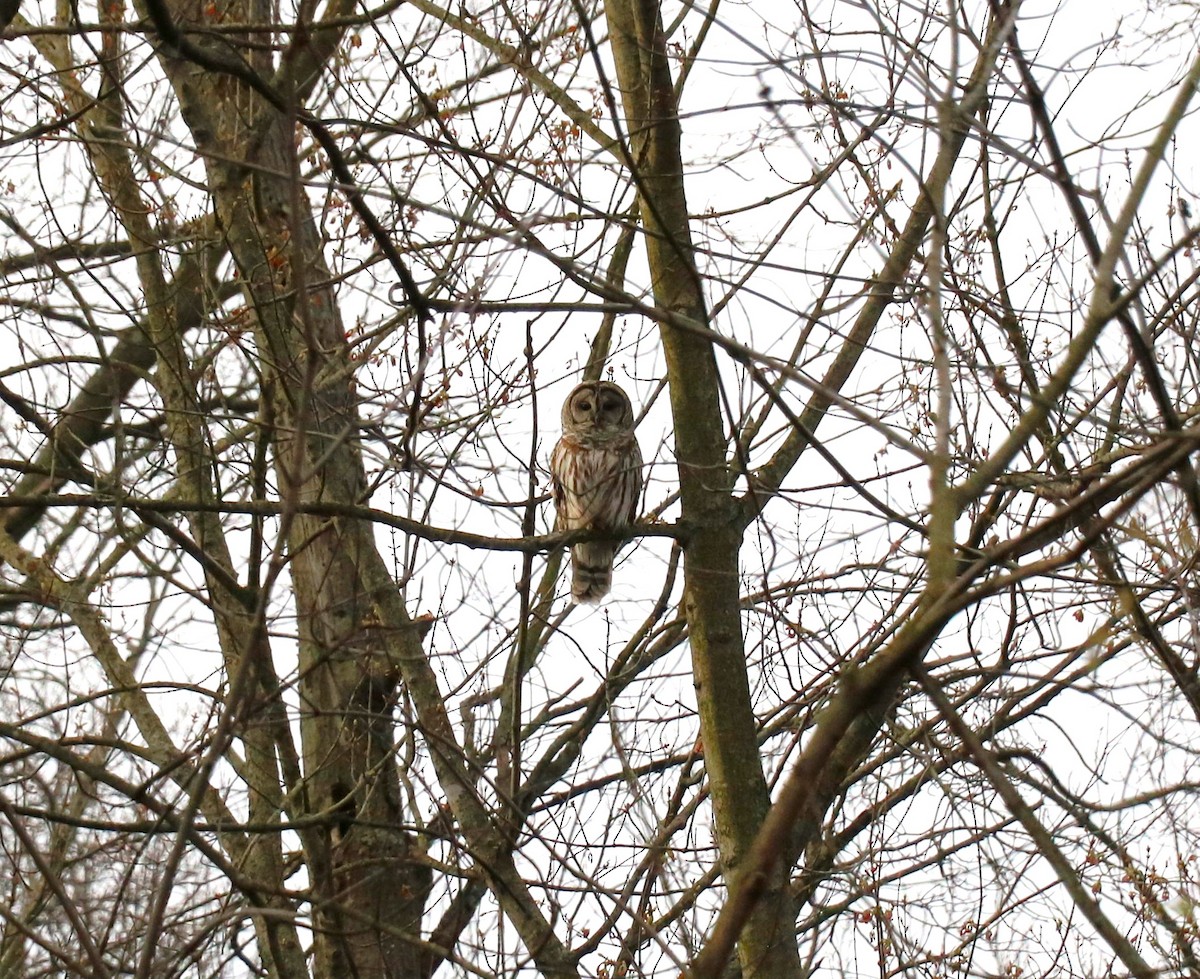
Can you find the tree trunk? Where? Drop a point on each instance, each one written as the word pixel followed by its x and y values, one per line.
pixel 366 872
pixel 740 800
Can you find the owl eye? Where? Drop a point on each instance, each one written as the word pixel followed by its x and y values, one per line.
pixel 584 406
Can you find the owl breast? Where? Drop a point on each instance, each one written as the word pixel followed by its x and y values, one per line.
pixel 597 482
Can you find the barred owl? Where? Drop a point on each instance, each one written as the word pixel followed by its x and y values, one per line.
pixel 597 471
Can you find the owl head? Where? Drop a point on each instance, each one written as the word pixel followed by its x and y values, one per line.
pixel 597 408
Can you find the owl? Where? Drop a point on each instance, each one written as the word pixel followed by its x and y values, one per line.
pixel 597 472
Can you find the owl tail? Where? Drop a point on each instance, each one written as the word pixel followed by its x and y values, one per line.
pixel 591 571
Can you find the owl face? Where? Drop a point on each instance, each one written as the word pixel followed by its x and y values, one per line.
pixel 597 408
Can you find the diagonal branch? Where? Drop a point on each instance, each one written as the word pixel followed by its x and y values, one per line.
pixel 1067 874
pixel 226 63
pixel 769 477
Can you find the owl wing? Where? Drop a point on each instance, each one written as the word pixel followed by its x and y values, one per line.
pixel 558 490
pixel 634 461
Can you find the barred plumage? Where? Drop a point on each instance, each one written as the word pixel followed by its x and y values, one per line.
pixel 597 470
